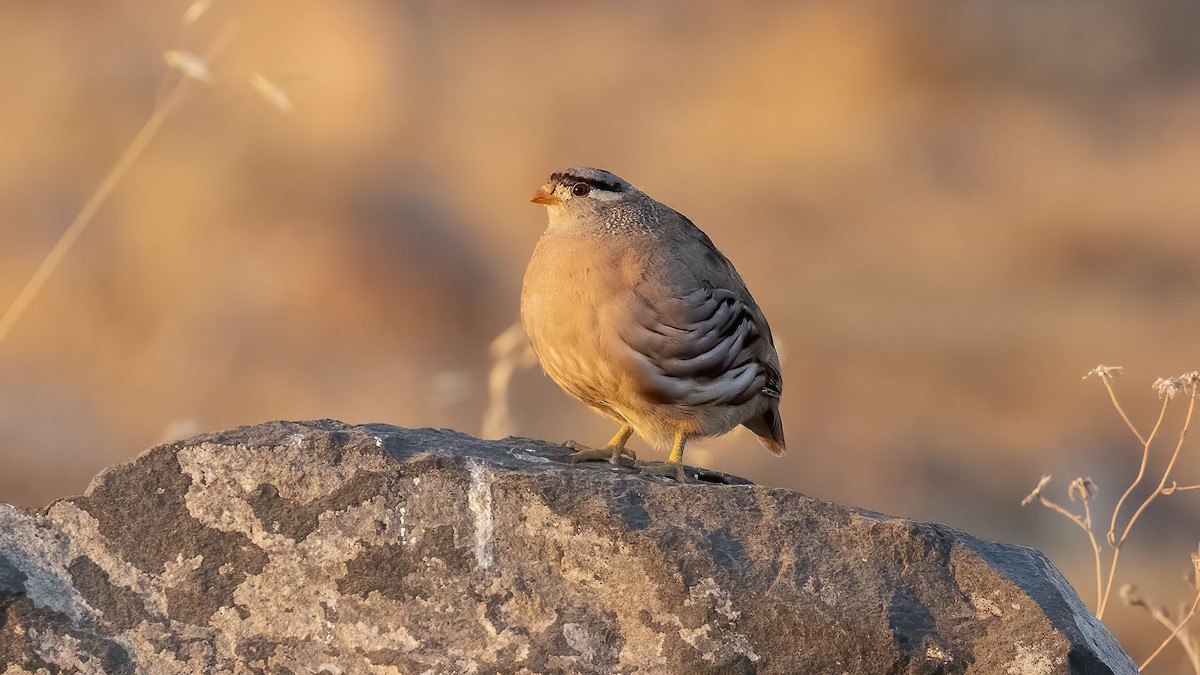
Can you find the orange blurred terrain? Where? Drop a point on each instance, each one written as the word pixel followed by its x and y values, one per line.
pixel 949 213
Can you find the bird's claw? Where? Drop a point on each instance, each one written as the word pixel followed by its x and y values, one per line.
pixel 612 454
pixel 666 469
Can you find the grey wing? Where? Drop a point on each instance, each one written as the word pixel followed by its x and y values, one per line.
pixel 709 346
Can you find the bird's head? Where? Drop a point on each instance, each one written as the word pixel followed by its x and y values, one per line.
pixel 580 191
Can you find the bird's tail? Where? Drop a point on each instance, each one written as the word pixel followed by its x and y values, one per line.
pixel 769 428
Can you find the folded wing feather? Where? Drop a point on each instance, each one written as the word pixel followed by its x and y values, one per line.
pixel 704 348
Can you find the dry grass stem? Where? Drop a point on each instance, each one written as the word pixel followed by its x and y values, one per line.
pixel 84 218
pixel 1159 614
pixel 1116 544
pixel 1113 541
pixel 1130 595
pixel 1167 389
pixel 114 176
pixel 272 92
pixel 1187 421
pixel 509 351
pixel 1162 412
pixel 1105 373
pixel 1037 491
pixel 1175 487
pixel 1187 640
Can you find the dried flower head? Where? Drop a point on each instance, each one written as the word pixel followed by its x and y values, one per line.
pixel 195 11
pixel 272 92
pixel 1104 372
pixel 1130 596
pixel 1167 386
pixel 188 63
pixel 1037 491
pixel 1085 488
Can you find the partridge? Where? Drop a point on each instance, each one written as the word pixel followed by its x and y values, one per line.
pixel 631 309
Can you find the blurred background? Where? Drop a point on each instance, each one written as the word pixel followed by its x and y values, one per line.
pixel 949 211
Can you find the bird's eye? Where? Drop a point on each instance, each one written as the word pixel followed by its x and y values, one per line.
pixel 581 189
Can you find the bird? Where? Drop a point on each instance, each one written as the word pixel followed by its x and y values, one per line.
pixel 631 309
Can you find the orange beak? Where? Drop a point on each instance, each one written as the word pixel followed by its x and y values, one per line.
pixel 545 195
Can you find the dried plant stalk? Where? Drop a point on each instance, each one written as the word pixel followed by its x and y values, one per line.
pixel 124 163
pixel 1086 489
pixel 509 351
pixel 1189 384
pixel 1186 640
pixel 1167 389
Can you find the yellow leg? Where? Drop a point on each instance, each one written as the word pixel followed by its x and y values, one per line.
pixel 621 437
pixel 673 467
pixel 614 452
pixel 676 456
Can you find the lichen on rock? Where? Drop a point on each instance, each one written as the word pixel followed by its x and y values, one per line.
pixel 296 547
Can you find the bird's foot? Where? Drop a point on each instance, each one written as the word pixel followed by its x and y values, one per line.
pixel 613 454
pixel 667 469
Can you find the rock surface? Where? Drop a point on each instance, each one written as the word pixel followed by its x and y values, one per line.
pixel 320 547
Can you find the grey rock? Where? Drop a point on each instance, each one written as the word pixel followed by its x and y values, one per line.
pixel 320 547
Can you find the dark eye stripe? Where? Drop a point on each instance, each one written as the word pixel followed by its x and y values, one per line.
pixel 567 179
